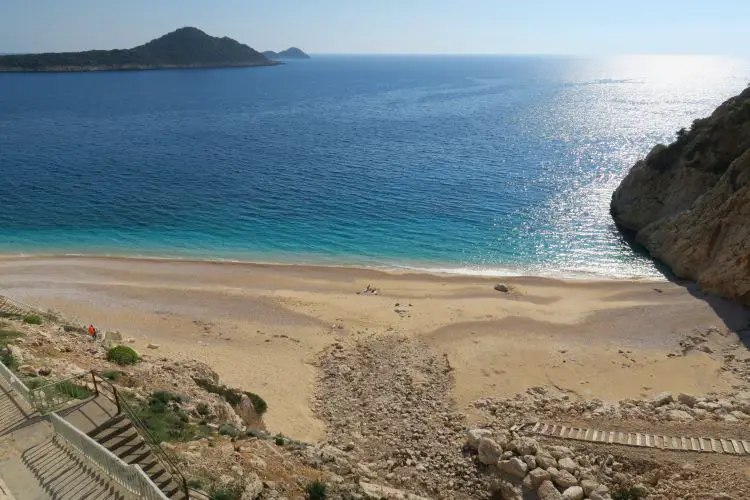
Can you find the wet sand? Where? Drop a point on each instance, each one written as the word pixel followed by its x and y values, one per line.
pixel 261 326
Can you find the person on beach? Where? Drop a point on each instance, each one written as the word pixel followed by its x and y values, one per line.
pixel 92 332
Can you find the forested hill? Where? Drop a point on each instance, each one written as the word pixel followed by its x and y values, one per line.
pixel 183 48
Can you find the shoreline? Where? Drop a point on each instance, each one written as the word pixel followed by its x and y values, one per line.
pixel 438 271
pixel 264 327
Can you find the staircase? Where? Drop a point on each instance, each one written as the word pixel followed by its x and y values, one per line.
pixel 120 437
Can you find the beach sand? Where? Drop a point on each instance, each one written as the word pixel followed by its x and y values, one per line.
pixel 261 327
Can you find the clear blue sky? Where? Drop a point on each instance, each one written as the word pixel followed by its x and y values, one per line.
pixel 390 26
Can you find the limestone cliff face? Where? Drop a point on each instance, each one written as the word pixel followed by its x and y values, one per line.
pixel 689 202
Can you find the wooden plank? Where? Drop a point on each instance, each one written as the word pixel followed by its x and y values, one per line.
pixel 695 444
pixel 728 448
pixel 746 445
pixel 705 444
pixel 716 446
pixel 737 447
pixel 611 436
pixel 684 444
pixel 536 427
pixel 552 431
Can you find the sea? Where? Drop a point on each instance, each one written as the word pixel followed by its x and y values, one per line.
pixel 487 165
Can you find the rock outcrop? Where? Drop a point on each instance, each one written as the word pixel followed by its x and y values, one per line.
pixel 689 203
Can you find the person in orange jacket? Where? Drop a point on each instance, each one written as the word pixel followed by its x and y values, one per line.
pixel 92 332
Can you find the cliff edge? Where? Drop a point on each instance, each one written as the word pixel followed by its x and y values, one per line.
pixel 689 203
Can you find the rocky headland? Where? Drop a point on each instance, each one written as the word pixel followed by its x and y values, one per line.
pixel 688 203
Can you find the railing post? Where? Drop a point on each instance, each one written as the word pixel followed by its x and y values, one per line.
pixel 185 487
pixel 93 377
pixel 117 399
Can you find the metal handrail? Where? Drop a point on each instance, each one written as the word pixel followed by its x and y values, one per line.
pixel 162 456
pixel 16 383
pixel 130 477
pixel 53 396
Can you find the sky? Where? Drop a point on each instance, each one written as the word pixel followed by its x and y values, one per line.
pixel 581 27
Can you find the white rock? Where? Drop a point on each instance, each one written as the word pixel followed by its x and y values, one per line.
pixel 545 460
pixel 568 464
pixel 687 399
pixel 679 415
pixel 153 346
pixel 560 452
pixel 588 486
pixel 547 491
pixel 377 492
pixel 524 446
pixel 489 451
pixel 535 478
pixel 509 491
pixel 530 460
pixel 563 478
pixel 253 487
pixel 474 435
pixel 663 399
pixel 515 467
pixel 573 493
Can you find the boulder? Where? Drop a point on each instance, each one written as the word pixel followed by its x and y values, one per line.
pixel 573 493
pixel 474 435
pixel 508 490
pixel 45 371
pixel 524 446
pixel 530 461
pixel 545 460
pixel 563 478
pixel 679 415
pixel 515 467
pixel 535 478
pixel 489 451
pixel 502 287
pixel 253 487
pixel 568 464
pixel 27 371
pixel 687 399
pixel 663 399
pixel 588 486
pixel 559 452
pixel 547 491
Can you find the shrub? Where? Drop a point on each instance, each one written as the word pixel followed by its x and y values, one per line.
pixel 195 483
pixel 112 375
pixel 233 396
pixel 317 490
pixel 73 329
pixel 634 493
pixel 228 430
pixel 74 390
pixel 203 409
pixel 224 494
pixel 122 355
pixel 32 319
pixel 279 440
pixel 165 397
pixel 8 336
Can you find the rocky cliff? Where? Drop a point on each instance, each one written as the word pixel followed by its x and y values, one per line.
pixel 689 203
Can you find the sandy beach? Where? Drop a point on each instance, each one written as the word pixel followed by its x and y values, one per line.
pixel 261 327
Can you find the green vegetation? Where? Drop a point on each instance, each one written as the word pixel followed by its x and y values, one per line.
pixel 279 440
pixel 233 396
pixel 225 493
pixel 112 375
pixel 122 355
pixel 6 337
pixel 203 409
pixel 195 483
pixel 226 429
pixel 317 490
pixel 73 329
pixel 168 422
pixel 633 493
pixel 33 319
pixel 185 47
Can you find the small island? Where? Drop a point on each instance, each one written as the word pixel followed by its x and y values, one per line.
pixel 290 53
pixel 184 48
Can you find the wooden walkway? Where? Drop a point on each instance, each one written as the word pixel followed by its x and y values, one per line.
pixel 671 443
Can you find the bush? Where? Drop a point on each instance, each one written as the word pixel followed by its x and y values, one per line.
pixel 317 490
pixel 73 329
pixel 203 409
pixel 634 493
pixel 195 483
pixel 32 319
pixel 228 430
pixel 122 355
pixel 233 396
pixel 165 397
pixel 112 375
pixel 279 440
pixel 224 494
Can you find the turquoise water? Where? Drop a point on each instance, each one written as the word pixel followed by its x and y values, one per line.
pixel 493 165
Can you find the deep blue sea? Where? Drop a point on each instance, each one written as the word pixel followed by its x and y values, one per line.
pixel 473 164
